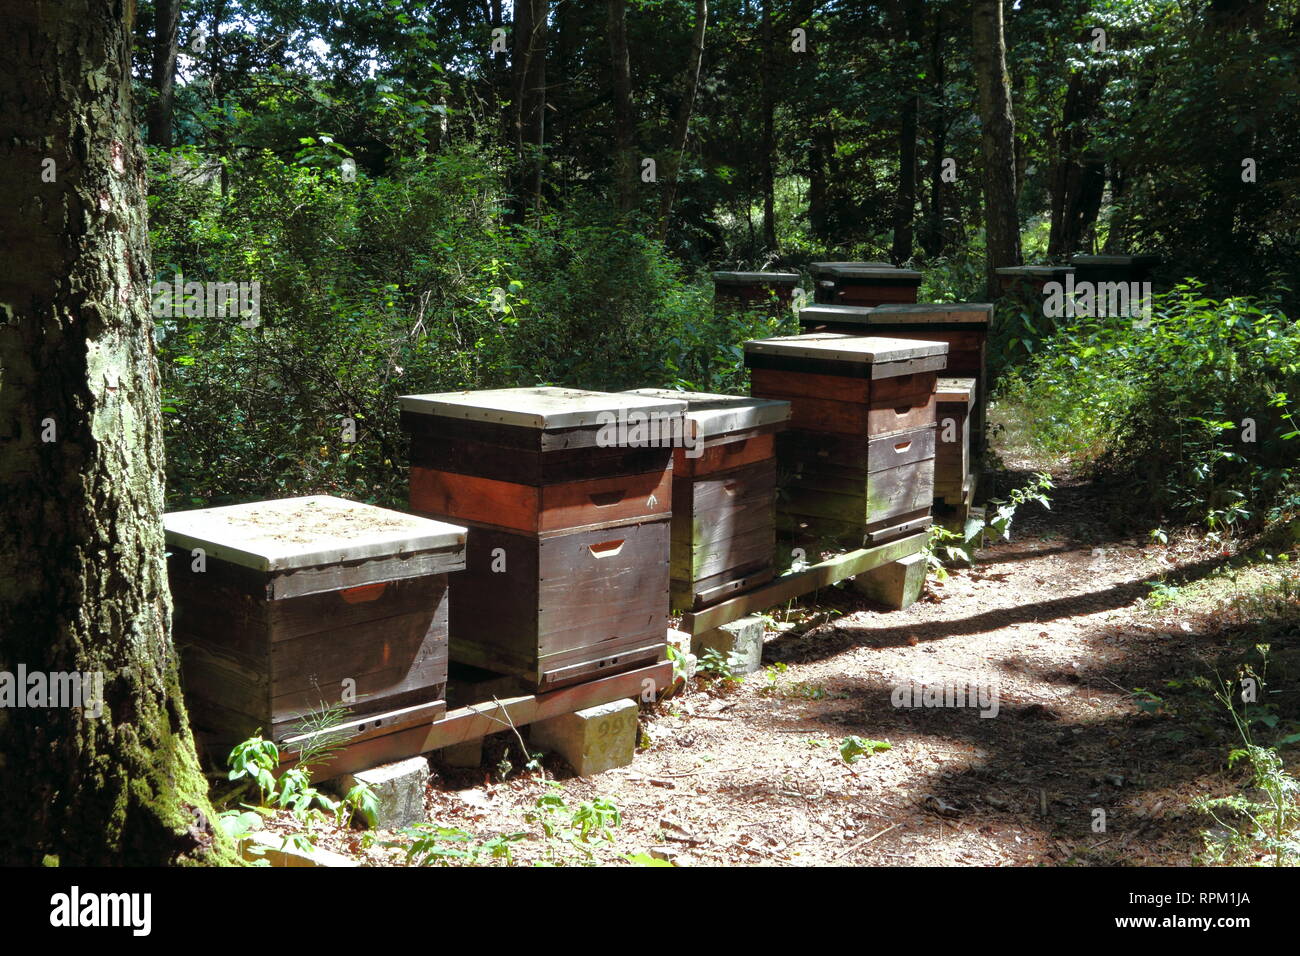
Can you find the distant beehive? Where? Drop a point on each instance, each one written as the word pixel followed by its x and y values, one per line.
pixel 747 290
pixel 863 283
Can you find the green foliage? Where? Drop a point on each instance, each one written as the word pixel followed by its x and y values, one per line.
pixel 853 747
pixel 714 663
pixel 1261 825
pixel 945 546
pixel 569 830
pixel 384 286
pixel 1192 411
pixel 429 845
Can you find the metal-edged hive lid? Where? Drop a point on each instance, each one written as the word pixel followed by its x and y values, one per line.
pixel 931 313
pixel 747 278
pixel 713 414
pixel 842 347
pixel 545 407
pixel 817 268
pixel 287 534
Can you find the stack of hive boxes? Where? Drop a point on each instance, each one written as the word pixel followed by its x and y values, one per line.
pixel 568 495
pixel 724 492
pixel 285 607
pixel 858 457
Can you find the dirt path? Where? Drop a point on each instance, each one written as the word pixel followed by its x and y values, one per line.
pixel 751 773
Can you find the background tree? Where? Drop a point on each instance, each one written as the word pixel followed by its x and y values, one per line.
pixel 1001 219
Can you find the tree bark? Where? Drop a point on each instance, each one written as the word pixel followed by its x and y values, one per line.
pixel 933 239
pixel 1078 178
pixel 998 141
pixel 907 16
pixel 83 584
pixel 166 22
pixel 767 146
pixel 685 109
pixel 625 170
pixel 528 71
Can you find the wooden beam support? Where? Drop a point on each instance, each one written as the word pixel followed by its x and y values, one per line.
pixel 374 742
pixel 795 585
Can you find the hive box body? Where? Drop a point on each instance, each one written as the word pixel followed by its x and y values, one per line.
pixel 724 495
pixel 567 570
pixel 1031 278
pixel 747 290
pixel 953 459
pixel 857 463
pixel 863 283
pixel 284 606
pixel 1114 268
pixel 964 326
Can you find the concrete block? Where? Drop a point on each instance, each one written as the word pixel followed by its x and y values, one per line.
pixel 897 584
pixel 741 642
pixel 399 788
pixel 592 740
pixel 469 754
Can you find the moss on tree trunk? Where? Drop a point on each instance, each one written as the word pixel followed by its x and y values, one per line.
pixel 82 579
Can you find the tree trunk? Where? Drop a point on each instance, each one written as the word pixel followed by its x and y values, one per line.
pixel 625 171
pixel 1001 222
pixel 907 16
pixel 83 584
pixel 166 21
pixel 932 241
pixel 528 71
pixel 767 103
pixel 686 108
pixel 1077 178
pixel 819 151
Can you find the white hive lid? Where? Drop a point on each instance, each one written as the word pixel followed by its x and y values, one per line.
pixel 544 407
pixel 840 347
pixel 291 533
pixel 714 414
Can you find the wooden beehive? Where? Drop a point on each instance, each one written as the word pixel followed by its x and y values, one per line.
pixel 863 283
pixel 1031 278
pixel 963 325
pixel 284 606
pixel 857 462
pixel 724 493
pixel 748 290
pixel 567 567
pixel 953 459
pixel 1114 268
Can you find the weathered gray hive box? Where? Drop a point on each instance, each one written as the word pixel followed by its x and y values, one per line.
pixel 284 607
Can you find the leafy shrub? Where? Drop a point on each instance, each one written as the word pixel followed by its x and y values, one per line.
pixel 1192 412
pixel 398 284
